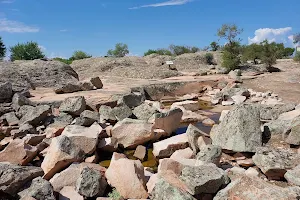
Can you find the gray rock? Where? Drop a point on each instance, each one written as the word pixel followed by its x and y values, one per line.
pixel 64 117
pixel 23 110
pixel 210 154
pixel 39 189
pixel 239 130
pixel 272 112
pixel 36 115
pixel 34 139
pixel 11 118
pixel 114 114
pixel 73 105
pixel 275 162
pixel 87 118
pixel 144 111
pixel 293 136
pixel 19 100
pixel 293 175
pixel 6 92
pixel 193 133
pixel 96 81
pixel 203 179
pixel 14 177
pixel 5 108
pixel 23 130
pixel 68 88
pixel 90 183
pixel 86 86
pixel 132 100
pixel 236 75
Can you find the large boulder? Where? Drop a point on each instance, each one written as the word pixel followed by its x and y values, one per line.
pixel 132 132
pixel 87 118
pixel 73 105
pixel 272 112
pixel 6 92
pixel 293 136
pixel 275 162
pixel 210 154
pixel 35 115
pixel 168 121
pixel 193 134
pixel 61 153
pixel 144 111
pixel 133 99
pixel 293 175
pixel 114 114
pixel 14 177
pixel 239 130
pixel 19 100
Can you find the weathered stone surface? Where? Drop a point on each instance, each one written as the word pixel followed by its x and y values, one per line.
pixel 168 121
pixel 253 188
pixel 69 176
pixel 62 152
pixel 113 114
pixel 235 75
pixel 6 92
pixel 189 117
pixel 165 148
pixel 108 144
pixel 127 176
pixel 208 122
pixel 227 103
pixel 87 118
pixel 132 100
pixel 14 177
pixel 68 88
pixel 86 138
pixel 188 105
pixel 131 132
pixel 239 130
pixel 223 113
pixel 293 175
pixel 33 139
pixel 73 105
pixel 210 154
pixel 272 112
pixel 144 111
pixel 96 81
pixel 238 99
pixel 64 117
pixel 18 152
pixel 10 118
pixel 193 133
pixel 90 183
pixel 5 108
pixel 39 189
pixel 86 85
pixel 69 193
pixel 206 178
pixel 140 152
pixel 35 115
pixel 293 136
pixel 55 129
pixel 275 162
pixel 186 153
pixel 19 100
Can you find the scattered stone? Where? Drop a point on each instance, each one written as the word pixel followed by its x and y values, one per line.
pixel 186 153
pixel 69 193
pixel 227 103
pixel 209 154
pixel 96 81
pixel 272 112
pixel 275 162
pixel 187 105
pixel 64 117
pixel 33 139
pixel 293 175
pixel 91 183
pixel 86 86
pixel 236 75
pixel 144 111
pixel 55 129
pixel 113 114
pixel 68 88
pixel 238 99
pixel 293 137
pixel 140 152
pixel 251 172
pixel 208 122
pixel 132 132
pixel 19 100
pixel 165 148
pixel 62 152
pixel 11 119
pixel 239 130
pixel 39 189
pixel 6 92
pixel 203 141
pixel 245 163
pixel 87 118
pixel 169 121
pixel 108 144
pixel 73 105
pixel 132 100
pixel 189 117
pixel 193 134
pixel 35 115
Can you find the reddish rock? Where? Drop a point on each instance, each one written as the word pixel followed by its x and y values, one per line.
pixel 69 193
pixel 140 152
pixel 169 121
pixel 55 129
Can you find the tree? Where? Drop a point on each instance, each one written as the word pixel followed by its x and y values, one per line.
pixel 63 60
pixel 288 52
pixel 26 51
pixel 78 55
pixel 179 50
pixel 252 52
pixel 120 50
pixel 214 46
pixel 231 59
pixel 268 53
pixel 2 49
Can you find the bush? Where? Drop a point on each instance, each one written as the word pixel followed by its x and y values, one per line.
pixel 115 195
pixel 297 57
pixel 269 53
pixel 163 52
pixel 120 50
pixel 209 57
pixel 27 51
pixel 2 49
pixel 179 50
pixel 78 55
pixel 214 46
pixel 66 61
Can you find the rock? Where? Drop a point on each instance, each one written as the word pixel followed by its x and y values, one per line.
pixel 169 121
pixel 68 88
pixel 189 117
pixel 18 152
pixel 86 86
pixel 6 92
pixel 132 100
pixel 10 118
pixel 223 113
pixel 208 122
pixel 27 129
pixel 35 115
pixel 293 175
pixel 64 117
pixel 14 177
pixel 272 112
pixel 203 179
pixel 188 105
pixel 238 99
pixel 113 114
pixel 33 139
pixel 203 141
pixel 19 100
pixel 5 108
pixel 165 148
pixel 73 105
pixel 55 129
pixel 251 172
pixel 239 130
pixel 132 132
pixel 87 118
pixel 293 137
pixel 96 81
pixel 210 154
pixel 108 144
pixel 127 176
pixel 90 183
pixel 69 176
pixel 62 152
pixel 39 189
pixel 253 188
pixel 69 193
pixel 186 153
pixel 275 162
pixel 193 133
pixel 144 111
pixel 140 152
pixel 245 163
pixel 236 75
pixel 227 103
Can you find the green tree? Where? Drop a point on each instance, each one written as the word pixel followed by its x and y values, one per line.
pixel 26 51
pixel 214 46
pixel 230 33
pixel 120 50
pixel 288 52
pixel 179 50
pixel 78 55
pixel 2 49
pixel 149 52
pixel 252 52
pixel 269 53
pixel 164 52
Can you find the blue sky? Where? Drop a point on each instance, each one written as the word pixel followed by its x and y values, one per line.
pixel 94 26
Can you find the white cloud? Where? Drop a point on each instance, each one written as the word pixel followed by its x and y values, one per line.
pixel 55 55
pixel 42 48
pixel 166 3
pixel 272 35
pixel 16 27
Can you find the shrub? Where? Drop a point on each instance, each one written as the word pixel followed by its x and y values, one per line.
pixel 78 55
pixel 164 52
pixel 149 52
pixel 115 195
pixel 214 46
pixel 2 49
pixel 209 57
pixel 120 50
pixel 252 52
pixel 27 51
pixel 297 57
pixel 179 50
pixel 66 61
pixel 269 53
